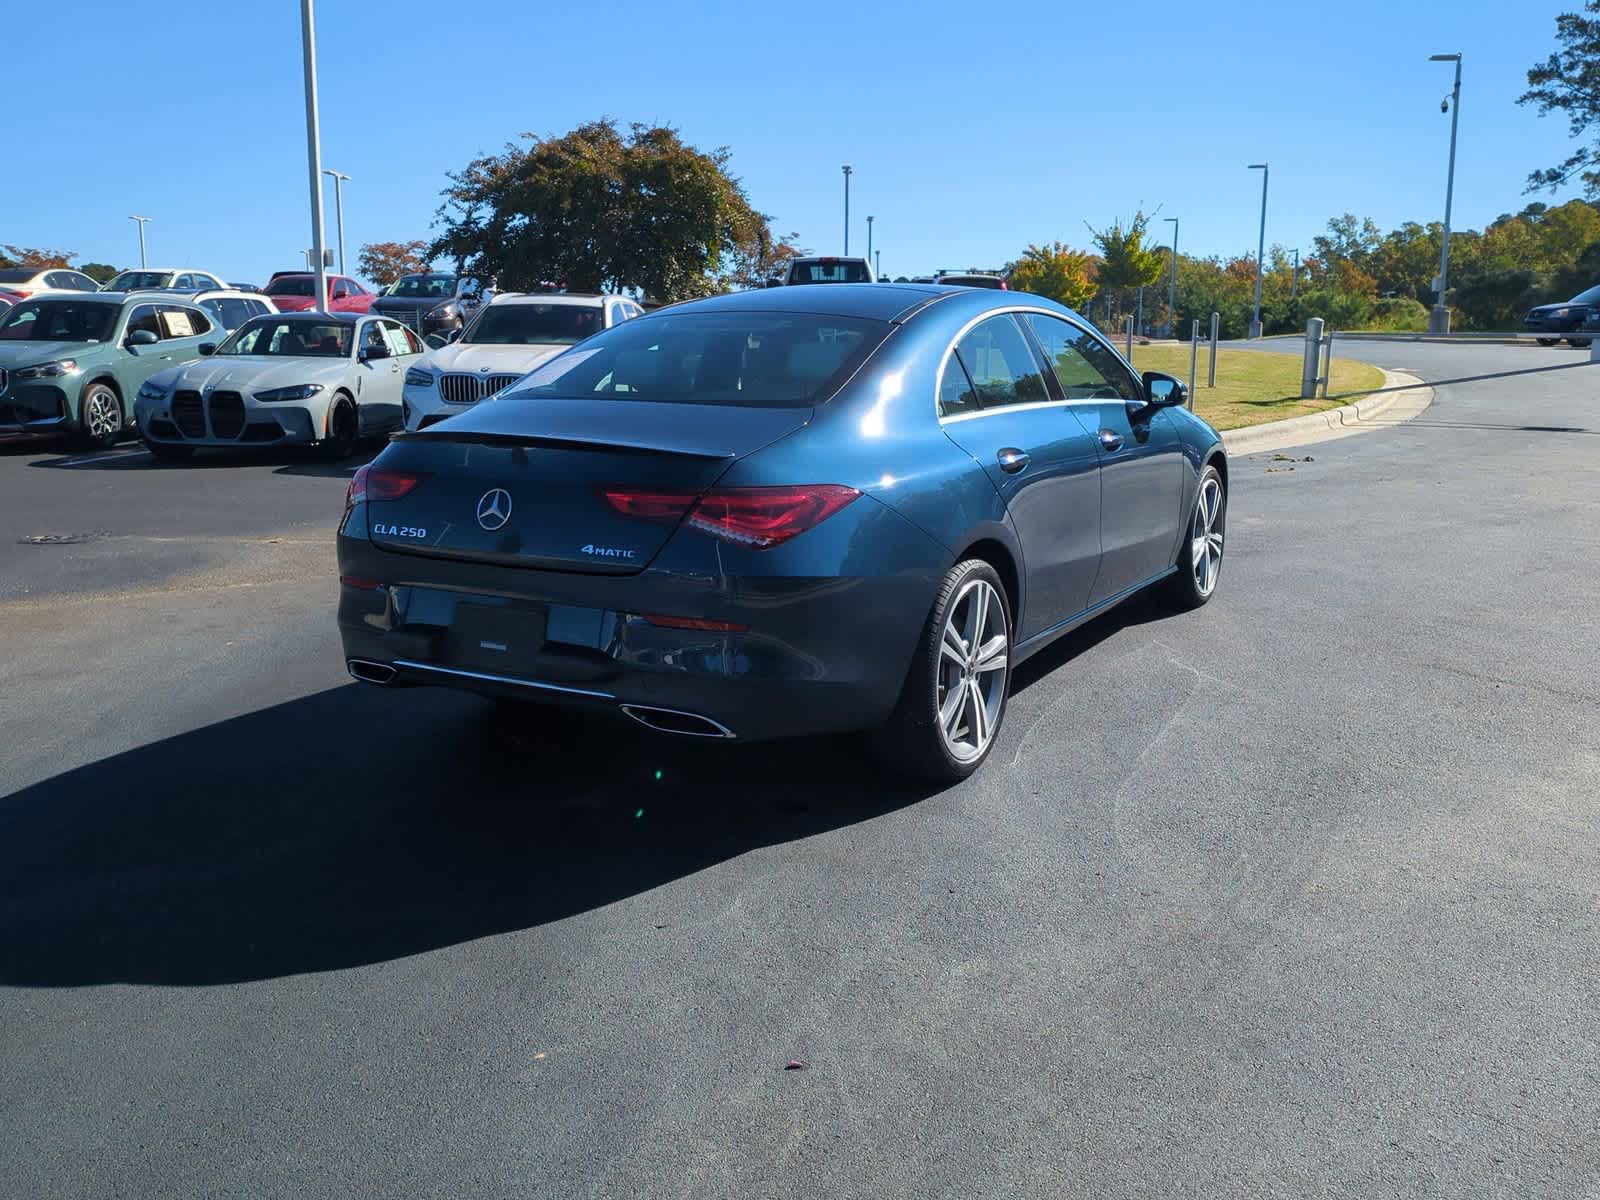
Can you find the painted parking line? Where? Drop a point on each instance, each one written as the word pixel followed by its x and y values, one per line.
pixel 82 460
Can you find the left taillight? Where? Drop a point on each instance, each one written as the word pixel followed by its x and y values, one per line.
pixel 380 483
pixel 758 517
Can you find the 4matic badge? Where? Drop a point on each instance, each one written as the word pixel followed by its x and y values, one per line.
pixel 607 551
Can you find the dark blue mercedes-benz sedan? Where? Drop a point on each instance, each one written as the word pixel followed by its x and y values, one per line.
pixel 786 511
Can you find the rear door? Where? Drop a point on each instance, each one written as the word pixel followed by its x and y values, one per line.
pixel 994 404
pixel 1141 474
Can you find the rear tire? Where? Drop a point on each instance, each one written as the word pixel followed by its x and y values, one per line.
pixel 953 701
pixel 1200 558
pixel 100 417
pixel 1547 341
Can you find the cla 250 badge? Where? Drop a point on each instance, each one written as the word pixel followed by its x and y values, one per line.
pixel 405 531
pixel 607 551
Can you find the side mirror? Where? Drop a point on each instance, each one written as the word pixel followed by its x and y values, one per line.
pixel 208 348
pixel 1164 391
pixel 141 337
pixel 369 353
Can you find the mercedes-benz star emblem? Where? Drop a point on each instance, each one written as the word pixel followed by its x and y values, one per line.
pixel 494 509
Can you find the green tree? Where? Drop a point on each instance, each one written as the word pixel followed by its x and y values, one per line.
pixel 1126 262
pixel 385 262
pixel 99 272
pixel 1568 82
pixel 1065 275
pixel 599 208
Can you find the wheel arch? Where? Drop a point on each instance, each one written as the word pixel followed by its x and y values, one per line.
pixel 999 556
pixel 110 380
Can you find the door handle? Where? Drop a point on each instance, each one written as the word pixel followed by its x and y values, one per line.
pixel 1110 439
pixel 1011 459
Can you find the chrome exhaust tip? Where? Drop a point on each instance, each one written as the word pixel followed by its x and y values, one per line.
pixel 369 672
pixel 675 721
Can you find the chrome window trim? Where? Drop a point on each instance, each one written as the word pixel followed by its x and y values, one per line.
pixel 990 412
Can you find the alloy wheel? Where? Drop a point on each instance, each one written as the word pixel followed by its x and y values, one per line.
pixel 100 415
pixel 1206 535
pixel 974 651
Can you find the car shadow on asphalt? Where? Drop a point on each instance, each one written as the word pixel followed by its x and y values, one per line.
pixel 358 825
pixel 292 461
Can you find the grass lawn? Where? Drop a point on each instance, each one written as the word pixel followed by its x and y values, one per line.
pixel 1253 386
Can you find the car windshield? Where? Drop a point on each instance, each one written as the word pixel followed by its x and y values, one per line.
pixel 829 270
pixel 1588 297
pixel 747 359
pixel 291 339
pixel 535 324
pixel 59 321
pixel 425 287
pixel 291 285
pixel 17 274
pixel 133 281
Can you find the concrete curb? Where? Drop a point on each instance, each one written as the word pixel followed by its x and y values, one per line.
pixel 1403 397
pixel 1438 339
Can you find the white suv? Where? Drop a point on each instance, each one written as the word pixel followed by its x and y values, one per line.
pixel 508 337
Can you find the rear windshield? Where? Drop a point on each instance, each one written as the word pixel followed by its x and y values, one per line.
pixel 291 285
pixel 133 281
pixel 535 324
pixel 59 321
pixel 292 339
pixel 824 271
pixel 748 359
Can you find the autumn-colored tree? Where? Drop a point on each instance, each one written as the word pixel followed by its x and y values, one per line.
pixel 32 256
pixel 1057 271
pixel 603 208
pixel 385 262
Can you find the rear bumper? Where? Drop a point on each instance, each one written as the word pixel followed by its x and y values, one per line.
pixel 817 653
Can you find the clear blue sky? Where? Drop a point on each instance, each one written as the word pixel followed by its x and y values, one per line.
pixel 973 128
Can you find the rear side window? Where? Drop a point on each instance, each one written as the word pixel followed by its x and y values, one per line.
pixel 180 322
pixel 744 359
pixel 1085 367
pixel 956 393
pixel 1000 365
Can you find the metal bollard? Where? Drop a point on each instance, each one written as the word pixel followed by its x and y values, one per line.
pixel 1216 324
pixel 1327 366
pixel 1194 355
pixel 1313 356
pixel 1129 355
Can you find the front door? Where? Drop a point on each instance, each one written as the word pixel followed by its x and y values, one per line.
pixel 1141 455
pixel 994 404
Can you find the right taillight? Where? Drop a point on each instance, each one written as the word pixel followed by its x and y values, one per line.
pixel 758 517
pixel 380 483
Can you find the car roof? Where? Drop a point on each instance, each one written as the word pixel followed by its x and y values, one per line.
pixel 311 314
pixel 226 294
pixel 587 299
pixel 872 301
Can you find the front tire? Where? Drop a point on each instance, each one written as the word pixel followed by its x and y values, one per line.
pixel 953 701
pixel 1200 559
pixel 342 424
pixel 1547 341
pixel 100 417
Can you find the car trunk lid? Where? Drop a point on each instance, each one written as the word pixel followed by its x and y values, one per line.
pixel 523 481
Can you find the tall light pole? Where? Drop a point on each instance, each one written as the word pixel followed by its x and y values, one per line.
pixel 847 172
pixel 308 41
pixel 1172 284
pixel 141 221
pixel 1261 248
pixel 1439 318
pixel 338 209
pixel 869 239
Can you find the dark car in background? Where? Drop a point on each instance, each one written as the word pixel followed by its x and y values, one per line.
pixel 784 512
pixel 432 301
pixel 1552 322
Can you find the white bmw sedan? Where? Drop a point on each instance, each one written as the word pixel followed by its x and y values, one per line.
pixel 304 379
pixel 509 336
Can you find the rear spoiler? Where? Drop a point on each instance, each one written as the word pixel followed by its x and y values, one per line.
pixel 543 441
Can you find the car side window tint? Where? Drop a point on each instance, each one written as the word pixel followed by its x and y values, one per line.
pixel 144 318
pixel 1000 364
pixel 211 283
pixel 956 393
pixel 1086 367
pixel 395 336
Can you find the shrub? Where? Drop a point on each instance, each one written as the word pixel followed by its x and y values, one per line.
pixel 1399 314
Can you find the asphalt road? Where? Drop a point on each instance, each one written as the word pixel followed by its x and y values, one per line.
pixel 1294 895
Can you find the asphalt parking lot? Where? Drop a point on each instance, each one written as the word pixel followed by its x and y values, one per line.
pixel 1292 895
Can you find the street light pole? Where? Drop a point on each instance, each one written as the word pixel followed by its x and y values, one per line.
pixel 847 173
pixel 308 42
pixel 1172 284
pixel 338 208
pixel 869 239
pixel 141 221
pixel 1439 318
pixel 1261 248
